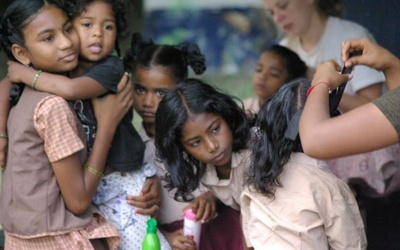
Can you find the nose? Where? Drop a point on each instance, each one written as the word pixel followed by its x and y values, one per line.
pixel 65 42
pixel 212 145
pixel 148 100
pixel 97 32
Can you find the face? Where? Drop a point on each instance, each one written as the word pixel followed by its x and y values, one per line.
pixel 51 44
pixel 208 138
pixel 269 75
pixel 97 31
pixel 150 86
pixel 292 16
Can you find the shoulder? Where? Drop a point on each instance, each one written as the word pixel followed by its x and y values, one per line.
pixel 347 29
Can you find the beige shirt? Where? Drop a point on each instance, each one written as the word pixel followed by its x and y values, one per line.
pixel 252 104
pixel 229 190
pixel 312 210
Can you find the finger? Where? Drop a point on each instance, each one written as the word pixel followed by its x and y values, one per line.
pixel 152 211
pixel 122 83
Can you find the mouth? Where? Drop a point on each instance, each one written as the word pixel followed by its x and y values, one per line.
pixel 147 114
pixel 70 57
pixel 219 157
pixel 287 27
pixel 95 48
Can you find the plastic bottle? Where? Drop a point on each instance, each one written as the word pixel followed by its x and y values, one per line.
pixel 191 227
pixel 151 240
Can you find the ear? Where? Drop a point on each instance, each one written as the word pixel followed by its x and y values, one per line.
pixel 21 54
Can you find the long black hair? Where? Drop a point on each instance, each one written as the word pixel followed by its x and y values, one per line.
pixel 272 149
pixel 15 19
pixel 175 58
pixel 193 96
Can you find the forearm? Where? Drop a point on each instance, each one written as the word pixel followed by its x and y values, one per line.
pixel 5 86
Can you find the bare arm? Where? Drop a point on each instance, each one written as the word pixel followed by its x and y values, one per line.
pixel 363 96
pixel 78 88
pixel 78 185
pixel 359 130
pixel 5 86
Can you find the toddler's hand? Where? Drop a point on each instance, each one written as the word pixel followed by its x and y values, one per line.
pixel 148 203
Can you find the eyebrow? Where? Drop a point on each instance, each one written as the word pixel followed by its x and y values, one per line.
pixel 52 29
pixel 156 89
pixel 208 128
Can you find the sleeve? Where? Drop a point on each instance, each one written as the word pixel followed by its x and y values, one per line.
pixel 57 126
pixel 245 216
pixel 389 104
pixel 107 72
pixel 342 221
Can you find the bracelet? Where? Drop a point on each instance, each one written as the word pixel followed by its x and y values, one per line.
pixel 3 136
pixel 94 171
pixel 36 78
pixel 312 87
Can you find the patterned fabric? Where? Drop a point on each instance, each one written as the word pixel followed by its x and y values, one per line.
pixel 111 200
pixel 61 139
pixel 77 240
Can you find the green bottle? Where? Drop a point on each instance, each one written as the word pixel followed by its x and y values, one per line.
pixel 151 240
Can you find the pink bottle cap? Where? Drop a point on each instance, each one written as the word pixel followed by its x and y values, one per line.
pixel 190 215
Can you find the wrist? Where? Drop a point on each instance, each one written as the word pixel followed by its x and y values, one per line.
pixel 319 84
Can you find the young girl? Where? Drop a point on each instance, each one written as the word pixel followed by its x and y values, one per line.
pixel 276 66
pixel 292 200
pixel 49 182
pixel 98 23
pixel 201 136
pixel 315 31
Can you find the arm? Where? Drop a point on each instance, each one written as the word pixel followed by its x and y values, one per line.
pixel 109 111
pixel 78 88
pixel 363 96
pixel 5 86
pixel 360 130
pixel 373 56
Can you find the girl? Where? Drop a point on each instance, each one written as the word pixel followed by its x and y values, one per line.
pixel 201 136
pixel 292 200
pixel 276 66
pixel 98 23
pixel 46 149
pixel 315 31
pixel 156 69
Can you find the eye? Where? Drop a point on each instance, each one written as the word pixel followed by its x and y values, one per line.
pixel 48 38
pixel 195 143
pixel 216 129
pixel 160 93
pixel 139 89
pixel 283 5
pixel 87 25
pixel 109 27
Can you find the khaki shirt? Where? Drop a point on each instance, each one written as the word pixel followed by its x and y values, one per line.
pixel 312 210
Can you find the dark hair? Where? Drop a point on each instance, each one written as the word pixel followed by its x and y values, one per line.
pixel 15 18
pixel 192 96
pixel 145 54
pixel 272 149
pixel 330 7
pixel 76 7
pixel 295 67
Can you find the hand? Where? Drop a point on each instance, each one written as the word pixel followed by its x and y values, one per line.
pixel 14 71
pixel 178 241
pixel 204 206
pixel 110 109
pixel 373 55
pixel 149 202
pixel 328 72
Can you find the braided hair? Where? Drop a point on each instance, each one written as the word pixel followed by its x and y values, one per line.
pixel 176 59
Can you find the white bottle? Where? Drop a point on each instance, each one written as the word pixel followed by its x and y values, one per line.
pixel 191 227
